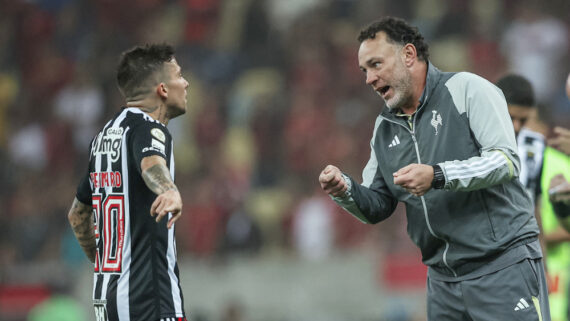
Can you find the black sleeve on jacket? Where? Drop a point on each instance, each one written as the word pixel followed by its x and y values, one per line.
pixel 370 205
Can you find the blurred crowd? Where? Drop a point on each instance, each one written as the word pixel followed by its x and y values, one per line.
pixel 275 94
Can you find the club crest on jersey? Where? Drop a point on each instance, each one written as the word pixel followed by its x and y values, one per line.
pixel 436 120
pixel 158 134
pixel 108 144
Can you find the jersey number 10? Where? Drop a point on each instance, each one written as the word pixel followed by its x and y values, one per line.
pixel 110 220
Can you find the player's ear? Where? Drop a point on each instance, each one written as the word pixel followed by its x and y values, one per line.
pixel 162 90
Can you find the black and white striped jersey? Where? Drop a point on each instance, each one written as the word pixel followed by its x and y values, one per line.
pixel 136 273
pixel 531 147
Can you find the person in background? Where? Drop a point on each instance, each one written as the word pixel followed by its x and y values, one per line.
pixel 554 183
pixel 521 104
pixel 519 95
pixel 559 185
pixel 444 146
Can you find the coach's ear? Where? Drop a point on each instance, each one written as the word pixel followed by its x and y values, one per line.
pixel 410 54
pixel 162 90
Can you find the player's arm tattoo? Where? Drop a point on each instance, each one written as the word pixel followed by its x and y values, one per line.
pixel 81 221
pixel 158 180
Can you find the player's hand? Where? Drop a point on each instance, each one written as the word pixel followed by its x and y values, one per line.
pixel 332 182
pixel 415 178
pixel 559 190
pixel 561 141
pixel 167 202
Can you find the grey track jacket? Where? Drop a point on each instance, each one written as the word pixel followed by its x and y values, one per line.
pixel 463 125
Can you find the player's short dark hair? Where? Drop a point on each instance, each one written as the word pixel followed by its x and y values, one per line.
pixel 398 31
pixel 517 90
pixel 138 64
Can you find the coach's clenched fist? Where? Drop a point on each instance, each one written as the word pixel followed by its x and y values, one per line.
pixel 332 181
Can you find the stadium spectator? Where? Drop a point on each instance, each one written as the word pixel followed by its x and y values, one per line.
pixel 445 147
pixel 313 229
pixel 538 58
pixel 80 104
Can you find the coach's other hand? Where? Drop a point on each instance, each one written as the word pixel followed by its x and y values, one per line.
pixel 415 178
pixel 332 181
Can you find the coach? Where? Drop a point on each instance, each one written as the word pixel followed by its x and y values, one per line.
pixel 445 147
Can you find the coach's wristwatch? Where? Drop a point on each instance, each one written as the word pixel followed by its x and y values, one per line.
pixel 438 177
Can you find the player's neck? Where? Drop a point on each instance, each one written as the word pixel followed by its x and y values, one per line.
pixel 155 110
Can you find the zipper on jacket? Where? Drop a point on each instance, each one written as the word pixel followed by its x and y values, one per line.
pixel 425 208
pixel 413 134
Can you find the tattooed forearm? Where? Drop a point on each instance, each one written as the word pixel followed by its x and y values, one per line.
pixel 158 179
pixel 80 219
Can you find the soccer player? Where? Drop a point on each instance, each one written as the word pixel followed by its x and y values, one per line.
pixel 521 105
pixel 444 145
pixel 127 203
pixel 519 95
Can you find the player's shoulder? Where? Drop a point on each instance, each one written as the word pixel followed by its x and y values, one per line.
pixel 135 115
pixel 135 118
pixel 140 123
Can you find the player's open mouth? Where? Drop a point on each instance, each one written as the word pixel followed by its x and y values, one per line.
pixel 383 90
